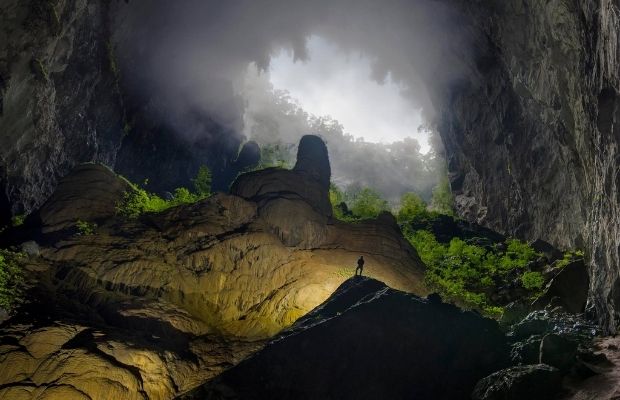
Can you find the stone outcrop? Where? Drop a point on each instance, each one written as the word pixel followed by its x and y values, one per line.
pixel 59 97
pixel 368 341
pixel 531 132
pixel 159 304
pixel 537 382
pixel 90 193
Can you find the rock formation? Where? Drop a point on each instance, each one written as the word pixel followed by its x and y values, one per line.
pixel 368 341
pixel 531 132
pixel 157 305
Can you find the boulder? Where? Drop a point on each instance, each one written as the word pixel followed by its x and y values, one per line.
pixel 568 288
pixel 368 341
pixel 558 351
pixel 308 181
pixel 532 382
pixel 90 192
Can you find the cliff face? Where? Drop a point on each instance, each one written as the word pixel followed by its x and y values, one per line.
pixel 532 133
pixel 59 98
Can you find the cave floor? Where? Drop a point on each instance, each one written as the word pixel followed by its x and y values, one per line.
pixel 605 385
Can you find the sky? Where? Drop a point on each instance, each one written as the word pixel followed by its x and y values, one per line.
pixel 334 82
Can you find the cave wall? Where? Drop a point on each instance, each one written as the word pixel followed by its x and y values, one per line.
pixel 59 97
pixel 532 133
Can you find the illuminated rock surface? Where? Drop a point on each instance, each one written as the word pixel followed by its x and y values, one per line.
pixel 152 307
pixel 368 341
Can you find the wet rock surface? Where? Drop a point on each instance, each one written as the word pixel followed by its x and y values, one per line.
pixel 368 341
pixel 536 382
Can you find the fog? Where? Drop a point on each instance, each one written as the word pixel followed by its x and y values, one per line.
pixel 192 57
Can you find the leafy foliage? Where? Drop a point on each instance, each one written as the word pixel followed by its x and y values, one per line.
pixel 367 203
pixel 11 279
pixel 443 200
pixel 138 201
pixel 18 220
pixel 202 181
pixel 532 280
pixel 85 228
pixel 464 272
pixel 411 206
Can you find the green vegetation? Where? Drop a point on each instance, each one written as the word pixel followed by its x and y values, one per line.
pixel 18 220
pixel 443 200
pixel 202 181
pixel 411 207
pixel 11 279
pixel 532 280
pixel 367 203
pixel 85 228
pixel 466 273
pixel 568 258
pixel 138 201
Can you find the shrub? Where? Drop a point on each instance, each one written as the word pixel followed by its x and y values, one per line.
pixel 85 228
pixel 202 181
pixel 532 280
pixel 463 272
pixel 11 280
pixel 18 220
pixel 518 255
pixel 367 203
pixel 443 200
pixel 137 201
pixel 411 207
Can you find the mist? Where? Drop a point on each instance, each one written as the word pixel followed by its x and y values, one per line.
pixel 192 58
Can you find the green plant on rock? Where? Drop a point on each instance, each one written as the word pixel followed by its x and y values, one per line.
pixel 18 220
pixel 532 280
pixel 11 279
pixel 85 228
pixel 465 273
pixel 137 201
pixel 202 181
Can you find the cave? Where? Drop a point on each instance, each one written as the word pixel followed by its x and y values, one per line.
pixel 188 188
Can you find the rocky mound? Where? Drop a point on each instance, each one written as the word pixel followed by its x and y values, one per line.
pixel 368 341
pixel 178 296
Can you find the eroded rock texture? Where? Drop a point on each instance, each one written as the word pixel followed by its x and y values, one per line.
pixel 532 132
pixel 368 341
pixel 59 98
pixel 153 307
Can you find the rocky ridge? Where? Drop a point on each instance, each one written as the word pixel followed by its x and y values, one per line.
pixel 160 304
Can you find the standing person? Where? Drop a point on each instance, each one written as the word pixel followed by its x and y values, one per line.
pixel 360 266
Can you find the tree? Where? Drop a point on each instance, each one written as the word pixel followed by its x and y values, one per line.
pixel 442 200
pixel 202 181
pixel 367 203
pixel 411 206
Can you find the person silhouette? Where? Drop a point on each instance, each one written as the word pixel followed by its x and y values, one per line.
pixel 360 266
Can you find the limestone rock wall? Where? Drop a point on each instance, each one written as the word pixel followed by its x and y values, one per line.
pixel 59 99
pixel 531 133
